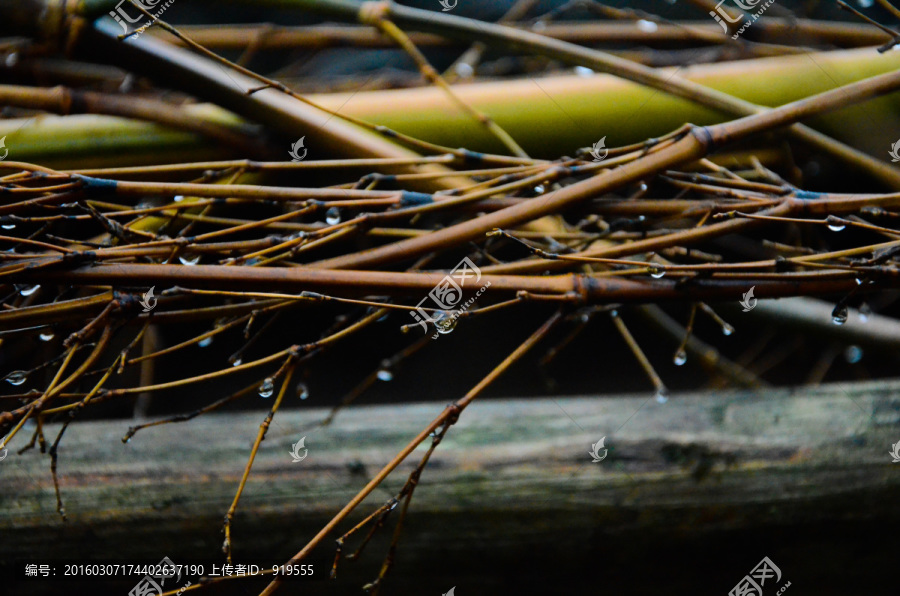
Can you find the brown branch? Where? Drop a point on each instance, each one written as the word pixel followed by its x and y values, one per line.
pixel 448 417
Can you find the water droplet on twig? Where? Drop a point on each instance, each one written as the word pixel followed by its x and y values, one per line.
pixel 584 71
pixel 662 395
pixel 333 216
pixel 127 84
pixel 464 70
pixel 835 224
pixel 839 314
pixel 444 322
pixel 16 377
pixel 853 354
pixel 865 311
pixel 267 388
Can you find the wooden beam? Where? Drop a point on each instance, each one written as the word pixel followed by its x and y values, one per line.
pixel 511 487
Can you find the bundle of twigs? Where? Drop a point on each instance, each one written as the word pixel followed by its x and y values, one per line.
pixel 377 223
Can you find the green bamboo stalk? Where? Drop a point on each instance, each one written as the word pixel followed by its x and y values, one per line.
pixel 581 110
pixel 67 101
pixel 88 141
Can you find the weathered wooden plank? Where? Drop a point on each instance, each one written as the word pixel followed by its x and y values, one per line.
pixel 512 481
